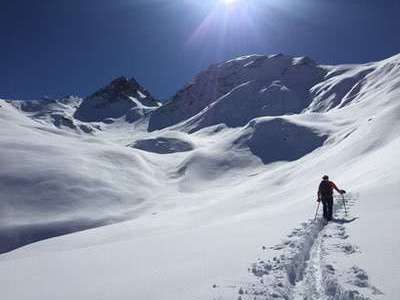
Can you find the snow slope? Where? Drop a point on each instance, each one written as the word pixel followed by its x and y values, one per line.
pixel 54 181
pixel 217 206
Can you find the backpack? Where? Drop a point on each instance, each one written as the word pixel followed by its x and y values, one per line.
pixel 325 188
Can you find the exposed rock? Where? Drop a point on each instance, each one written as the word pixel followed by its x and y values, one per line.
pixel 163 145
pixel 121 98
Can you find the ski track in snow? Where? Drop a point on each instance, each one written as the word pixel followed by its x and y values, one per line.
pixel 304 264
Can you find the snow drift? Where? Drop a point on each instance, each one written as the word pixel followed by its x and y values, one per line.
pixel 54 179
pixel 279 139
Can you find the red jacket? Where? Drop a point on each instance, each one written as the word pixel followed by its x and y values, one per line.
pixel 332 185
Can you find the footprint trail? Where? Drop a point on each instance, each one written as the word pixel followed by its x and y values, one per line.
pixel 307 264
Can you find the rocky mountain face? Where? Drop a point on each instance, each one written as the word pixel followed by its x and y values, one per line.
pixel 121 98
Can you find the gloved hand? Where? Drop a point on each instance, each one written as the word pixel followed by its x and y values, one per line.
pixel 318 200
pixel 342 192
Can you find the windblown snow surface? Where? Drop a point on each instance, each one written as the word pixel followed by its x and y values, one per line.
pixel 210 196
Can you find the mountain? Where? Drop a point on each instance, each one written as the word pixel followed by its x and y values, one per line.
pixel 56 112
pixel 211 195
pixel 238 90
pixel 121 98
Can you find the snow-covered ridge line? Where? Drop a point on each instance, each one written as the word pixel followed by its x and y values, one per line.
pixel 294 76
pixel 55 112
pixel 236 91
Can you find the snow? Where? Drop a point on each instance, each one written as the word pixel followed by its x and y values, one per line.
pixel 220 205
pixel 57 112
pixel 70 181
pixel 280 140
pixel 286 78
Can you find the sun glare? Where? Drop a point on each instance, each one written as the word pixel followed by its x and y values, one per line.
pixel 229 2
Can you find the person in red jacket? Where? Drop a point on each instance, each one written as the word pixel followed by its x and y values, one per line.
pixel 325 194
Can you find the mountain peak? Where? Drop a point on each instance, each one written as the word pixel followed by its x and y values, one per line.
pixel 121 97
pixel 278 84
pixel 122 87
pixel 123 83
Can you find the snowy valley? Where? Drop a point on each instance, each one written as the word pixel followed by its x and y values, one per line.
pixel 210 195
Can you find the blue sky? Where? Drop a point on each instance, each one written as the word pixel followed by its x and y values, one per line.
pixel 56 47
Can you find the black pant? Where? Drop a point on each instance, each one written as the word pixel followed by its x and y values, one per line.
pixel 327 204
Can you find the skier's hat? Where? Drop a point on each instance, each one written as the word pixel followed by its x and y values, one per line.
pixel 325 177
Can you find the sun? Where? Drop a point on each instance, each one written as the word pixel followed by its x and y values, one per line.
pixel 229 2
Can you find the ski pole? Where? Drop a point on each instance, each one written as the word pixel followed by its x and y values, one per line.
pixel 344 204
pixel 316 212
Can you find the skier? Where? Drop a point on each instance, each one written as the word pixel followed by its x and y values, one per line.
pixel 325 194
